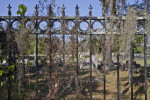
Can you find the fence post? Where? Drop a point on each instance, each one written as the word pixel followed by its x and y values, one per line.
pixel 63 37
pixel 36 13
pixel 90 26
pixel 50 49
pixel 145 64
pixel 9 32
pixel 77 64
pixel 104 74
pixel 63 32
pixel 118 63
pixel 118 84
pixel 131 67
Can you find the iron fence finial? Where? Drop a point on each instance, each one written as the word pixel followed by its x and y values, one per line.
pixel 90 12
pixel 9 10
pixel 63 10
pixel 36 10
pixel 77 10
pixel 50 10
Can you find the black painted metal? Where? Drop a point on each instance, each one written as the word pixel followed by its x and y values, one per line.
pixel 104 73
pixel 9 30
pixel 51 60
pixel 63 32
pixel 77 64
pixel 90 66
pixel 145 65
pixel 50 47
pixel 23 75
pixel 91 63
pixel 36 66
pixel 77 19
pixel 9 89
pixel 77 50
pixel 63 37
pixel 131 68
pixel 118 83
pixel 37 70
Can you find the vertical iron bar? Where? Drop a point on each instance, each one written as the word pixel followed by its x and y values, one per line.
pixel 63 49
pixel 145 64
pixel 104 53
pixel 50 66
pixel 90 65
pixel 104 75
pixel 50 48
pixel 9 90
pixel 37 66
pixel 118 64
pixel 131 64
pixel 23 67
pixel 23 62
pixel 118 84
pixel 10 60
pixel 63 32
pixel 77 65
pixel 36 62
pixel 64 28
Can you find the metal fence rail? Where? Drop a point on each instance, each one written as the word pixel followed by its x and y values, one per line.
pixel 76 20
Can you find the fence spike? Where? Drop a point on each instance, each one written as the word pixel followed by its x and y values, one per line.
pixel 63 10
pixel 36 10
pixel 90 12
pixel 9 10
pixel 77 10
pixel 50 10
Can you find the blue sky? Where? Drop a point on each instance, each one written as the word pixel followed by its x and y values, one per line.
pixel 69 4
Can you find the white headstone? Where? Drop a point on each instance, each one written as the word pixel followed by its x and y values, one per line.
pixel 94 61
pixel 26 61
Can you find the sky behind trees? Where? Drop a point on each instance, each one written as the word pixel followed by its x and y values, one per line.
pixel 69 4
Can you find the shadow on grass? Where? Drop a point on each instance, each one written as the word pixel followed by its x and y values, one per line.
pixel 138 84
pixel 141 80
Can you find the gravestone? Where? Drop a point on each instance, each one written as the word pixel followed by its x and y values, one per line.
pixel 26 61
pixel 86 60
pixel 5 62
pixel 94 61
pixel 81 65
pixel 86 63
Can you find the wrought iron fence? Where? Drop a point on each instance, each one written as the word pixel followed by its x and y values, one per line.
pixel 58 26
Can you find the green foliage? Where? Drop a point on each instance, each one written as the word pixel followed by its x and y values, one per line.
pixel 4 59
pixel 1 72
pixel 21 10
pixel 11 68
pixel 41 45
pixel 7 71
pixel 137 43
pixel 29 64
pixel 2 83
pixel 12 77
pixel 27 31
pixel 19 26
pixel 25 19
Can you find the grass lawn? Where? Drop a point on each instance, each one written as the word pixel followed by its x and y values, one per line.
pixel 97 87
pixel 111 85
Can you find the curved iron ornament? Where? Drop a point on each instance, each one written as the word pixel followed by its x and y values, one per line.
pixel 65 20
